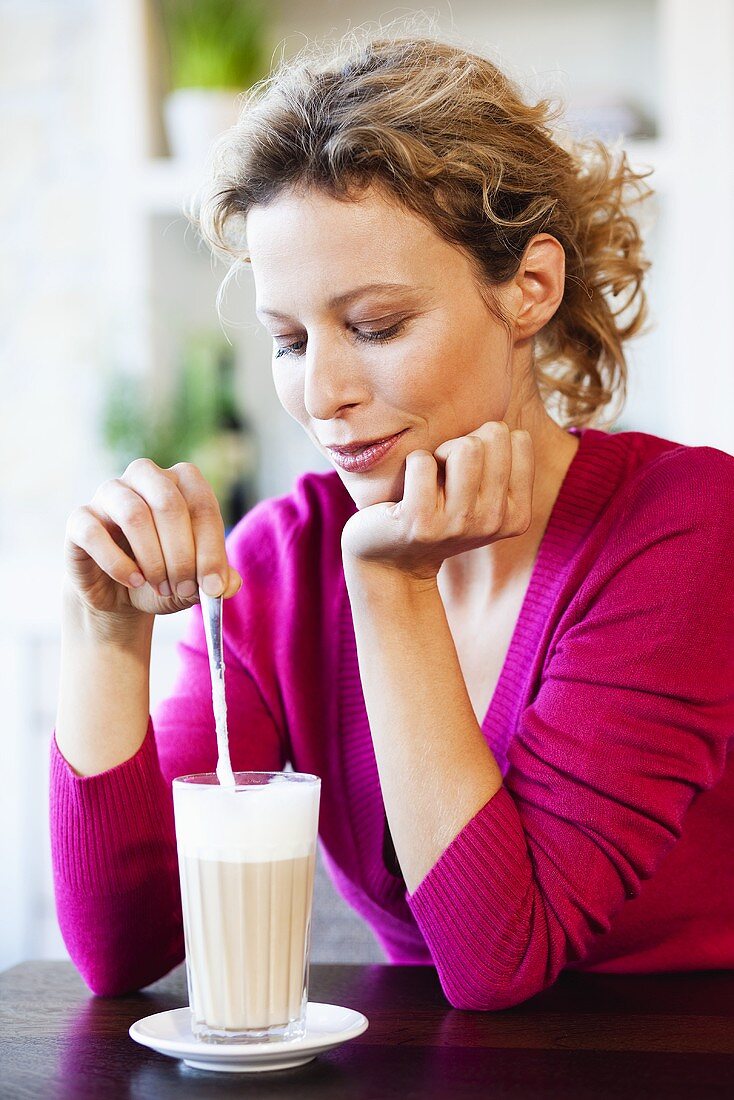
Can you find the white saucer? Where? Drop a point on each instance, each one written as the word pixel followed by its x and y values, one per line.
pixel 326 1026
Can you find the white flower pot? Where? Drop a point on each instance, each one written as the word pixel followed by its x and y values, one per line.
pixel 195 117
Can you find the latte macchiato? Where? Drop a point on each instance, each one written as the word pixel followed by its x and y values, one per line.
pixel 246 864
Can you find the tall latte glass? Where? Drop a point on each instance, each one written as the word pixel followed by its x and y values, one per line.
pixel 246 862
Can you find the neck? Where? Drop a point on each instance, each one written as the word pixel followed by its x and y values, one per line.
pixel 482 576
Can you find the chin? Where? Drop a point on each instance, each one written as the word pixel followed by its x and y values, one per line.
pixel 366 490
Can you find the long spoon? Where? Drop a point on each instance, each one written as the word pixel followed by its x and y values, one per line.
pixel 211 609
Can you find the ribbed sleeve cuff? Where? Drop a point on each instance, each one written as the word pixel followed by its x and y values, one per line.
pixel 470 907
pixel 107 829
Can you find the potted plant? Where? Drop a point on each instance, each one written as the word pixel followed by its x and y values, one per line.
pixel 200 423
pixel 216 50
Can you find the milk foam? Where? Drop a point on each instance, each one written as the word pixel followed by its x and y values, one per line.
pixel 253 824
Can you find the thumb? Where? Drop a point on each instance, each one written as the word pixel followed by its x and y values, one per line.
pixel 234 584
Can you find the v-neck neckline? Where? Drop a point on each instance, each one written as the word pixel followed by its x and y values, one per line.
pixel 545 580
pixel 537 569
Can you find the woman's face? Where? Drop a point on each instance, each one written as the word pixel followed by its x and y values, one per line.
pixel 378 328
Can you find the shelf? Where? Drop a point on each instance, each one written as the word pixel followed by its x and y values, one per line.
pixel 164 183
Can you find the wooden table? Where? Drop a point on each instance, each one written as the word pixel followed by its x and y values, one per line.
pixel 594 1036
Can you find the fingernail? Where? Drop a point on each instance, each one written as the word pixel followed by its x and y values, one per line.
pixel 213 585
pixel 136 579
pixel 164 588
pixel 186 589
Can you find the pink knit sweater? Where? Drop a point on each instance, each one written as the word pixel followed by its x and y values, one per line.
pixel 609 845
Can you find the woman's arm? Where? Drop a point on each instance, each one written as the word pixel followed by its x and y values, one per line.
pixel 112 834
pixel 104 685
pixel 115 871
pixel 436 768
pixel 633 719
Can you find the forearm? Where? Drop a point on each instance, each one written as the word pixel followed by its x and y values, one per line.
pixel 115 872
pixel 104 692
pixel 436 769
pixel 112 838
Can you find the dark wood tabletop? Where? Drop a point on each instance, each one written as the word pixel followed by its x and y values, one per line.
pixel 595 1036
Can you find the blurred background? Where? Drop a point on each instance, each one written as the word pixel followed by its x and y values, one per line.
pixel 110 344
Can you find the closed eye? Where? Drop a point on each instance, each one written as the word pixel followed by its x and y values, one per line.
pixel 380 337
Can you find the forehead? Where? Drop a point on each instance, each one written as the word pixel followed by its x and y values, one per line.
pixel 311 242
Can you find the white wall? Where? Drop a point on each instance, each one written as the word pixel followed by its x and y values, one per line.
pixel 51 309
pixel 71 101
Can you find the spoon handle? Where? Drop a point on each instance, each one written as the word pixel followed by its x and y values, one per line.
pixel 211 609
pixel 212 613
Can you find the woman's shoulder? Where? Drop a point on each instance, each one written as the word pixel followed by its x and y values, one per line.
pixel 650 592
pixel 668 526
pixel 668 480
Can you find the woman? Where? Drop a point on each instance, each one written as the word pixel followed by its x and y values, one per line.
pixel 505 645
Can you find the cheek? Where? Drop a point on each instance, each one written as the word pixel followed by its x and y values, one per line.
pixel 411 377
pixel 289 392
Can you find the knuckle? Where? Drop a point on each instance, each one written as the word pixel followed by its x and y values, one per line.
pixel 187 468
pixel 206 504
pixel 181 568
pixel 80 521
pixel 102 489
pixel 469 449
pixel 521 521
pixel 132 513
pixel 421 532
pixel 141 463
pixel 155 571
pixel 493 517
pixel 167 499
pixel 495 430
pixel 194 481
pixel 465 517
pixel 74 516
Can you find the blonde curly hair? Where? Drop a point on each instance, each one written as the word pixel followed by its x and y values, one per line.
pixel 448 135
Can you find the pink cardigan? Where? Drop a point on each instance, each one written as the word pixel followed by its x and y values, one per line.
pixel 609 845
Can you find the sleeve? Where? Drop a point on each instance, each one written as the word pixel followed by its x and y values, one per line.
pixel 632 721
pixel 113 844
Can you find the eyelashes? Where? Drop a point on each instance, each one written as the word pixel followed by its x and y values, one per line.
pixel 380 337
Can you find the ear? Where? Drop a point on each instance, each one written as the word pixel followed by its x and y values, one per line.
pixel 538 284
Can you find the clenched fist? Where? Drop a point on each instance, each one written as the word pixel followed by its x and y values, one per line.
pixel 471 491
pixel 146 542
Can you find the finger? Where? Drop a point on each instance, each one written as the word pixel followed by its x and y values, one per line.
pixel 522 480
pixel 87 532
pixel 462 479
pixel 124 508
pixel 497 471
pixel 213 571
pixel 420 493
pixel 235 583
pixel 159 489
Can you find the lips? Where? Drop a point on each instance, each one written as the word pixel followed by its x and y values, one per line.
pixel 360 457
pixel 362 445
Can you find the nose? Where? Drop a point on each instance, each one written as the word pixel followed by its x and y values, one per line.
pixel 332 381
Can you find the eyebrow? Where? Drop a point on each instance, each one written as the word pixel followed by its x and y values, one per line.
pixel 348 296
